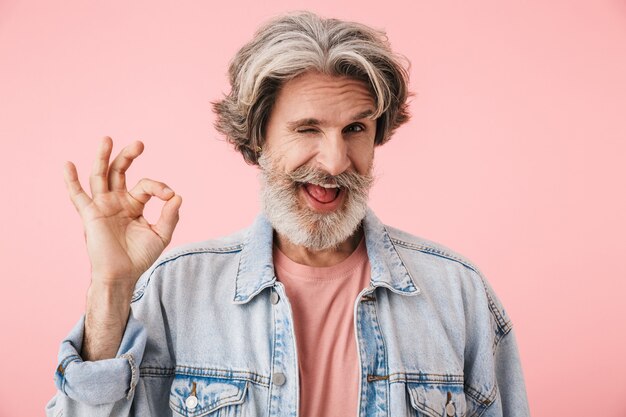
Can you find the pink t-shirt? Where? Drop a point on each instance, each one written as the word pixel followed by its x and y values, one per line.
pixel 322 300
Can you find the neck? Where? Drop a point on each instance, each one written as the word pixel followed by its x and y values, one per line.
pixel 321 258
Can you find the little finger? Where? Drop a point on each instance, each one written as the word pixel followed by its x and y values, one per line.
pixel 78 196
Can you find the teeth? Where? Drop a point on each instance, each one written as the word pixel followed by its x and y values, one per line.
pixel 327 185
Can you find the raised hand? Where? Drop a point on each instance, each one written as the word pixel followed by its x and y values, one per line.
pixel 121 243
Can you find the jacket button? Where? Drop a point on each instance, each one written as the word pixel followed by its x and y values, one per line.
pixel 191 402
pixel 450 409
pixel 279 379
pixel 274 297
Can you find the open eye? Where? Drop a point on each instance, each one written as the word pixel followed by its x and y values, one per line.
pixel 355 128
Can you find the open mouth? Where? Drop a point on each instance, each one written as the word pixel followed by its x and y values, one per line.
pixel 322 193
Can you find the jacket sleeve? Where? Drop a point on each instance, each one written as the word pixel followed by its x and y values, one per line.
pixel 510 380
pixel 97 388
pixel 116 387
pixel 493 371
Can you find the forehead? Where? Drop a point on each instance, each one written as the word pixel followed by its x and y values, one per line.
pixel 313 94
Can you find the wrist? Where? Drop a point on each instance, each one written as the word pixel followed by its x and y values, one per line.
pixel 110 299
pixel 112 286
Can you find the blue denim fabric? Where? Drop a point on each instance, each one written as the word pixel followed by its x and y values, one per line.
pixel 206 339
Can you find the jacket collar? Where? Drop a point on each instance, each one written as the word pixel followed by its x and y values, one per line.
pixel 256 267
pixel 387 267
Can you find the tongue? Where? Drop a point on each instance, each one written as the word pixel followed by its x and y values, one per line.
pixel 321 194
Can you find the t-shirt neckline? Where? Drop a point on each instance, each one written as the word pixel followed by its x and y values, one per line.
pixel 321 273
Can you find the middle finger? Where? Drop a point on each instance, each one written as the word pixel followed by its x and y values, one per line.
pixel 117 170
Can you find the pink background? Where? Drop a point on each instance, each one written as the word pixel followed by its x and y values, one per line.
pixel 514 157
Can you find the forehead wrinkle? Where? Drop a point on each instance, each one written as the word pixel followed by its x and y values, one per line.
pixel 330 86
pixel 329 82
pixel 324 101
pixel 314 93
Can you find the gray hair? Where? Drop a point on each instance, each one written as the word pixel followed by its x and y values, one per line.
pixel 290 45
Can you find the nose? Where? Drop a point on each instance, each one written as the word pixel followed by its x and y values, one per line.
pixel 333 154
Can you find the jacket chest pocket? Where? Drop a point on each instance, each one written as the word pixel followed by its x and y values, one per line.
pixel 194 396
pixel 437 400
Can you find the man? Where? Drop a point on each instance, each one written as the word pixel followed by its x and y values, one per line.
pixel 317 309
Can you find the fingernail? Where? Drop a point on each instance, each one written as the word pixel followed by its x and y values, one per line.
pixel 168 190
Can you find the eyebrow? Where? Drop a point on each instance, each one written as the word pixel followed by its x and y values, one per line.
pixel 309 121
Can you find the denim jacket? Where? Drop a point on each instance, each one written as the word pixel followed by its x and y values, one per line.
pixel 211 334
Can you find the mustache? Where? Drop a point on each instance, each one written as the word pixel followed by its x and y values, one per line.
pixel 349 180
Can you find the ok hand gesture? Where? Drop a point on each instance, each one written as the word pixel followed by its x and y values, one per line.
pixel 121 243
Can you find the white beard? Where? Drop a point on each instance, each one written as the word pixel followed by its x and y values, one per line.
pixel 299 224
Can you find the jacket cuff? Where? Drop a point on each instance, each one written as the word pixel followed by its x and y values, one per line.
pixel 104 381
